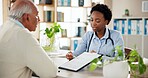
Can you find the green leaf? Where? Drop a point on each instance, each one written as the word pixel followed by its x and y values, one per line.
pixel 132 59
pixel 133 53
pixel 55 28
pixel 119 50
pixel 140 60
pixel 50 35
pixel 133 67
pixel 141 65
pixel 47 30
pixel 142 68
pixel 95 60
pixel 93 66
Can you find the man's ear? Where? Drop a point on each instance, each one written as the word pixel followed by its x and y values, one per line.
pixel 25 17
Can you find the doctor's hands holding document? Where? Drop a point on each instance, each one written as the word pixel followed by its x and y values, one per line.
pixel 70 55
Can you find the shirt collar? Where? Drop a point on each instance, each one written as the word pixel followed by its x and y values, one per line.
pixel 106 34
pixel 104 37
pixel 17 22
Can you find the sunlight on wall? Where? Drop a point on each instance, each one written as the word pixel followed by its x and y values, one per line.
pixel 1 14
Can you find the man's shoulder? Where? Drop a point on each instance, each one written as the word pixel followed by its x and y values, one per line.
pixel 24 33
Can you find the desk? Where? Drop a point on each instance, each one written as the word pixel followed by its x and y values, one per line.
pixel 84 73
pixel 59 59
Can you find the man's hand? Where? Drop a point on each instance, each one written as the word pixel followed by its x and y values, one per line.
pixel 69 56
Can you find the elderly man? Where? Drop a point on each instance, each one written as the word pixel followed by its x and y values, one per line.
pixel 20 52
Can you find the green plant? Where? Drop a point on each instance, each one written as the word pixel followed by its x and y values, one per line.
pixel 126 12
pixel 140 67
pixel 135 61
pixel 55 28
pixel 51 32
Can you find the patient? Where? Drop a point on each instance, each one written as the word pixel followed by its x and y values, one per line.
pixel 20 52
pixel 101 40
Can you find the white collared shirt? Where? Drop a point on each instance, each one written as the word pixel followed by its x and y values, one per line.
pixel 17 22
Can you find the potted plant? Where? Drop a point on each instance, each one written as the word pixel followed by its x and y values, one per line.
pixel 133 61
pixel 51 32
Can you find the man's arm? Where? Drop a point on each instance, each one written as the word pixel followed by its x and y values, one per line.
pixel 38 60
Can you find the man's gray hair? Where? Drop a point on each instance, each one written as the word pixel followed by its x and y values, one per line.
pixel 17 11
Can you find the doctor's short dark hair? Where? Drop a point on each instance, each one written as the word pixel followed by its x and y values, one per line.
pixel 104 10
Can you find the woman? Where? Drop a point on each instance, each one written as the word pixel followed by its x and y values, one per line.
pixel 101 40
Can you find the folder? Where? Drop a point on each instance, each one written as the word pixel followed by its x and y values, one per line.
pixel 79 62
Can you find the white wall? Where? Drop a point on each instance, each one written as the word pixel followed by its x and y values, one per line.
pixel 135 10
pixel 134 6
pixel 1 13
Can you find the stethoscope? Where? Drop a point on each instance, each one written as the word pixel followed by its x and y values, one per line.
pixel 109 38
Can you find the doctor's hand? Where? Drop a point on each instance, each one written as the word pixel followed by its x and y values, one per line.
pixel 92 51
pixel 69 55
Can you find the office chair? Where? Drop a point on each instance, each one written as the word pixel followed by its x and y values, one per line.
pixel 127 52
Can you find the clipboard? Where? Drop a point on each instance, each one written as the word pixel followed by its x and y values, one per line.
pixel 79 62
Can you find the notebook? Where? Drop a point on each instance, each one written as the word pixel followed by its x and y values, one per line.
pixel 79 62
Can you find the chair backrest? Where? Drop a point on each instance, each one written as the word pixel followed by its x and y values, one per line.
pixel 127 51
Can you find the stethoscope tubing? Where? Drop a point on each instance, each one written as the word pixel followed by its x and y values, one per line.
pixel 109 38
